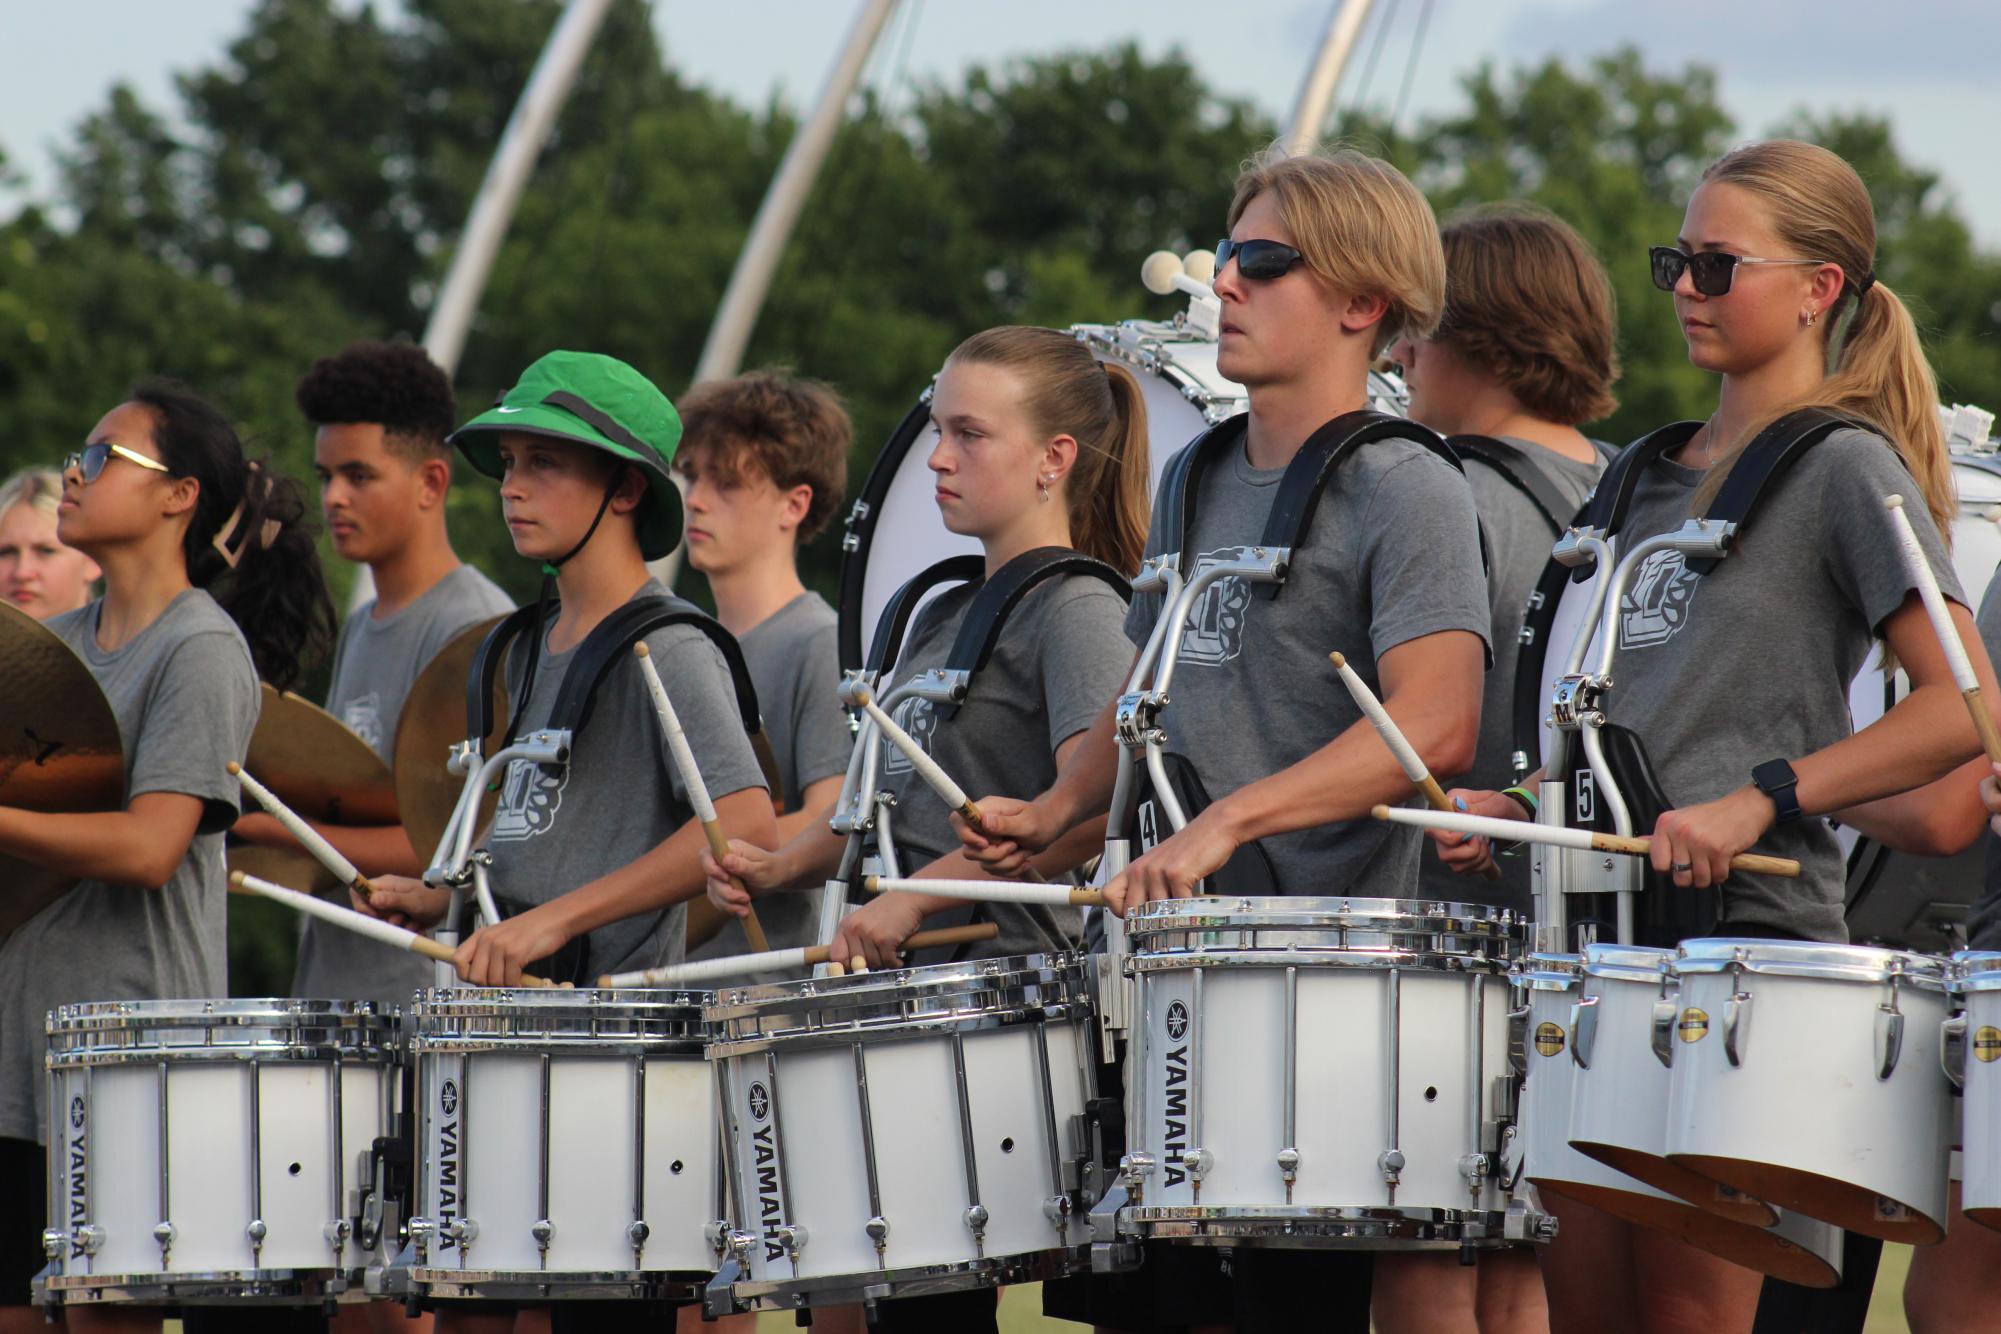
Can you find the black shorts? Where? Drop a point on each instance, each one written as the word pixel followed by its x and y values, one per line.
pixel 24 1212
pixel 1178 1286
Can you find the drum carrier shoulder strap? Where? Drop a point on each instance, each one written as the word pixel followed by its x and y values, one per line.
pixel 1520 470
pixel 894 623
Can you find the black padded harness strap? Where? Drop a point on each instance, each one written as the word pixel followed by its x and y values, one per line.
pixel 1520 470
pixel 894 623
pixel 980 631
pixel 1764 462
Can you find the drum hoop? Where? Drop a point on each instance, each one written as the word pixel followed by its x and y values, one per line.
pixel 1154 355
pixel 1809 959
pixel 626 1044
pixel 585 1002
pixel 368 1053
pixel 1549 972
pixel 1627 963
pixel 1379 915
pixel 196 1012
pixel 1974 970
pixel 890 984
pixel 751 1034
pixel 1216 954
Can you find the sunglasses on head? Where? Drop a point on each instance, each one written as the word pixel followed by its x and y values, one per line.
pixel 1257 259
pixel 1712 271
pixel 92 458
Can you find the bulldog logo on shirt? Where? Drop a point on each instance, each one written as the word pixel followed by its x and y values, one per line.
pixel 1214 634
pixel 1656 603
pixel 919 718
pixel 529 800
pixel 363 716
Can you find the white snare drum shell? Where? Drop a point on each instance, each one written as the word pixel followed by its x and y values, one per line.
pixel 1977 981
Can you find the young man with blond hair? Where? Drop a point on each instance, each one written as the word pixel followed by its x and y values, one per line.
pixel 1330 258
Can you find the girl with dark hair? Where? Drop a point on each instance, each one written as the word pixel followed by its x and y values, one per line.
pixel 189 535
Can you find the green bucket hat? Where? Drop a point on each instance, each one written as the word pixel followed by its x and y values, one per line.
pixel 591 399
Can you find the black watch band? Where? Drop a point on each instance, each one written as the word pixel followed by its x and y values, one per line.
pixel 1776 779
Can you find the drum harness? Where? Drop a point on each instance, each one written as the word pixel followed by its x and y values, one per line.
pixel 456 865
pixel 1614 765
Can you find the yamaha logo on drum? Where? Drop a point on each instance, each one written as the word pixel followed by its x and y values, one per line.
pixel 760 1102
pixel 76 1103
pixel 448 1098
pixel 1174 1098
pixel 1177 1021
pixel 1694 1024
pixel 1548 1038
pixel 79 1177
pixel 1987 1043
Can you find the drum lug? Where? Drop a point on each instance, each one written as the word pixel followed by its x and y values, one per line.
pixel 1737 1028
pixel 256 1230
pixel 543 1231
pixel 1663 1031
pixel 1135 1167
pixel 1197 1162
pixel 1057 1209
pixel 464 1231
pixel 91 1237
pixel 1475 1168
pixel 54 1242
pixel 1288 1165
pixel 1518 1040
pixel 422 1232
pixel 1391 1162
pixel 877 1229
pixel 976 1219
pixel 337 1232
pixel 1889 1039
pixel 1952 1049
pixel 792 1237
pixel 1583 1028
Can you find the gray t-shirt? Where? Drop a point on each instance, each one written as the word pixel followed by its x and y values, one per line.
pixel 184 693
pixel 795 664
pixel 1061 656
pixel 1753 661
pixel 1983 922
pixel 1518 546
pixel 1393 555
pixel 619 797
pixel 376 661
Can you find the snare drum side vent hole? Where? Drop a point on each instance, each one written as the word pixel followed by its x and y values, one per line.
pixel 1007 1145
pixel 1431 1093
pixel 294 1169
pixel 675 1167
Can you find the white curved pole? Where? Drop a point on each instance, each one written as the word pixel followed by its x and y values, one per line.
pixel 1316 94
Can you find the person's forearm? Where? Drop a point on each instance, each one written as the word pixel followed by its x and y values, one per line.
pixel 1927 735
pixel 668 873
pixel 1937 820
pixel 1078 845
pixel 118 847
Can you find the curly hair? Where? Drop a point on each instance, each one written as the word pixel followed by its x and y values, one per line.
pixel 1528 303
pixel 394 384
pixel 791 429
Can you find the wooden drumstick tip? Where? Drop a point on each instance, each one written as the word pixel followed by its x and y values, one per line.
pixel 1380 812
pixel 235 769
pixel 1338 661
pixel 639 650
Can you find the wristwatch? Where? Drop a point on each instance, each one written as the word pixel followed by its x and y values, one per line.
pixel 1776 779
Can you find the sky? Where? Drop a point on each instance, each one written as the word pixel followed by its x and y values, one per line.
pixel 1928 71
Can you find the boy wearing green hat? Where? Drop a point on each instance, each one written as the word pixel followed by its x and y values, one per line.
pixel 593 861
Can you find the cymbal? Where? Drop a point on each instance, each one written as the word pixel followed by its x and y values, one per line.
pixel 59 749
pixel 433 721
pixel 317 766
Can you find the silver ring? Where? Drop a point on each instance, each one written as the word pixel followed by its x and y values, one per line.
pixel 1682 866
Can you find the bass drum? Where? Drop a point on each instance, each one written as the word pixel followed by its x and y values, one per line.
pixel 1184 393
pixel 1893 899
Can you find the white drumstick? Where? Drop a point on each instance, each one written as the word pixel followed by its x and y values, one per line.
pixel 988 891
pixel 1407 758
pixel 1521 831
pixel 1919 571
pixel 927 768
pixel 691 780
pixel 736 965
pixel 348 919
pixel 309 838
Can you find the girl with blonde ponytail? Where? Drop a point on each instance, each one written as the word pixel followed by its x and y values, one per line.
pixel 1748 667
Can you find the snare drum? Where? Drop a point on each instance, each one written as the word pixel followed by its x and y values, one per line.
pixel 1797 1249
pixel 1976 982
pixel 1805 1074
pixel 566 1146
pixel 905 1132
pixel 205 1151
pixel 1318 1072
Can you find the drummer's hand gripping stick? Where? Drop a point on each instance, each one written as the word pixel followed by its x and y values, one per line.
pixel 691 782
pixel 771 961
pixel 1920 572
pixel 308 837
pixel 350 920
pixel 1407 758
pixel 1522 831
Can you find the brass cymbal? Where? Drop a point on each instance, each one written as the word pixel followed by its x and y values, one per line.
pixel 317 766
pixel 59 749
pixel 433 721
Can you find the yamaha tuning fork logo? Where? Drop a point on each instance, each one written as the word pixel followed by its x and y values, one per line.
pixel 76 1111
pixel 448 1098
pixel 1177 1021
pixel 760 1102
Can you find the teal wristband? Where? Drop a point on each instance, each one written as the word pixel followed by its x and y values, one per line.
pixel 1525 799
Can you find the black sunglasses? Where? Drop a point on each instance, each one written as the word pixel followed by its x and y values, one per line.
pixel 90 461
pixel 1712 271
pixel 1257 259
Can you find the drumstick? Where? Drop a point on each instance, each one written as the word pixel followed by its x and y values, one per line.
pixel 1521 831
pixel 1920 571
pixel 1407 758
pixel 309 838
pixel 359 923
pixel 691 779
pixel 804 956
pixel 988 891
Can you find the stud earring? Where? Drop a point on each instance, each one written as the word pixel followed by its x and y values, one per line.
pixel 1811 316
pixel 1042 489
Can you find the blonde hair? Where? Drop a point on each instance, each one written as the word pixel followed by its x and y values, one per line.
pixel 1067 391
pixel 1877 373
pixel 39 488
pixel 1361 226
pixel 1527 303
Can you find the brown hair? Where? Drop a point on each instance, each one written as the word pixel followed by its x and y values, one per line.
pixel 792 430
pixel 1820 209
pixel 1361 226
pixel 1067 391
pixel 1529 304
